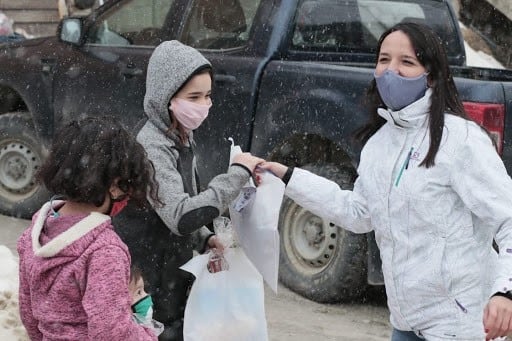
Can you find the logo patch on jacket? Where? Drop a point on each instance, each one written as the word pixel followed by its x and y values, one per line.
pixel 415 156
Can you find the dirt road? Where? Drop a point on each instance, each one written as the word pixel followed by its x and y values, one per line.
pixel 290 317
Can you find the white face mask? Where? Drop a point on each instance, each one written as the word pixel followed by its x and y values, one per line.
pixel 189 114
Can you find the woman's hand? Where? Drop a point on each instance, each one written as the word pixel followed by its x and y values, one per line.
pixel 497 317
pixel 276 168
pixel 248 160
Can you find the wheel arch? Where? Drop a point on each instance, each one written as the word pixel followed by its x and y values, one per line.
pixel 302 149
pixel 16 100
pixel 11 100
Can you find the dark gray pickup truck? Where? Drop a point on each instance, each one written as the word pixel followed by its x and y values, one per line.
pixel 290 78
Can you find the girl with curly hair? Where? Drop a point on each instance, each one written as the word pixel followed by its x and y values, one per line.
pixel 74 269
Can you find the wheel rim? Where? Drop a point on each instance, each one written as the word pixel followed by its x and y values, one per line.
pixel 309 241
pixel 18 165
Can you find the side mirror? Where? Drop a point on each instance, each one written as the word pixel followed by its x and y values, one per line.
pixel 70 30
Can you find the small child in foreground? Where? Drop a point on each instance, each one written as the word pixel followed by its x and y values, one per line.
pixel 142 304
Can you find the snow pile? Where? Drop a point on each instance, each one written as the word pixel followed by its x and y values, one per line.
pixel 11 328
pixel 478 58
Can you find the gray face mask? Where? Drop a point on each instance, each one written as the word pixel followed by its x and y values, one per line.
pixel 397 92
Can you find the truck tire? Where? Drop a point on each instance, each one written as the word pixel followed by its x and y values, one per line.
pixel 21 155
pixel 318 259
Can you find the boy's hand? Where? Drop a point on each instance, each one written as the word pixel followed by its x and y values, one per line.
pixel 214 243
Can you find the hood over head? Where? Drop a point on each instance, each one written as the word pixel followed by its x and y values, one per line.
pixel 171 65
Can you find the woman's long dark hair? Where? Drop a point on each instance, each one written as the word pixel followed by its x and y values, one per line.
pixel 445 98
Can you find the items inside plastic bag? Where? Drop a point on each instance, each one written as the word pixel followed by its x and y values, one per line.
pixel 224 231
pixel 223 228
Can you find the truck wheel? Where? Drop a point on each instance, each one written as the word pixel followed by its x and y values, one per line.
pixel 21 154
pixel 319 260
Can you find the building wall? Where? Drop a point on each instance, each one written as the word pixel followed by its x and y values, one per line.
pixel 36 17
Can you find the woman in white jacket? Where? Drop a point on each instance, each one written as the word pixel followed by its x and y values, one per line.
pixel 433 188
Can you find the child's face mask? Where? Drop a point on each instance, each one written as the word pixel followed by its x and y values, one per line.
pixel 144 307
pixel 189 114
pixel 117 204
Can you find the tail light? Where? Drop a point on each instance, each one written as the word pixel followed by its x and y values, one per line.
pixel 491 117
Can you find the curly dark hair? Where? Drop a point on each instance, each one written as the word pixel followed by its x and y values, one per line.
pixel 89 155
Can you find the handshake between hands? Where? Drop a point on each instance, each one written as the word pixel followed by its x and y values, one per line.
pixel 258 165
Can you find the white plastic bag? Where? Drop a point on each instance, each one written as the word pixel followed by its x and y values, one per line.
pixel 226 305
pixel 255 216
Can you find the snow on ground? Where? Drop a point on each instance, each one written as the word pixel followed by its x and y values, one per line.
pixel 480 59
pixel 11 328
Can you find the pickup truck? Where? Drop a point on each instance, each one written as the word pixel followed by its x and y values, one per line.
pixel 290 80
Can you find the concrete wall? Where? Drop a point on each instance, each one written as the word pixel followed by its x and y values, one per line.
pixel 36 17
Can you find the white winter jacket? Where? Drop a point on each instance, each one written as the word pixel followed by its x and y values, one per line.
pixel 434 226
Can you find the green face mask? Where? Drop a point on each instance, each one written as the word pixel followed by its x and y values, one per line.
pixel 144 307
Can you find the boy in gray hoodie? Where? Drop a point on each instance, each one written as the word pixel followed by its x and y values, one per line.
pixel 161 239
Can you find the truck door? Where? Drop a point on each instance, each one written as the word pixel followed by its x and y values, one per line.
pixel 106 75
pixel 222 31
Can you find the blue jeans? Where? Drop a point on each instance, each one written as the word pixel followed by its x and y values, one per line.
pixel 399 335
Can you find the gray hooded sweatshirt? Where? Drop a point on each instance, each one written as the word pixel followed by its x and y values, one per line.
pixel 162 239
pixel 185 210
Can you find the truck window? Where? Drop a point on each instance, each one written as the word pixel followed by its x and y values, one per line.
pixel 133 22
pixel 219 24
pixel 356 25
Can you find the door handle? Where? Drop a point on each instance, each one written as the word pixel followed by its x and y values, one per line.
pixel 224 79
pixel 131 70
